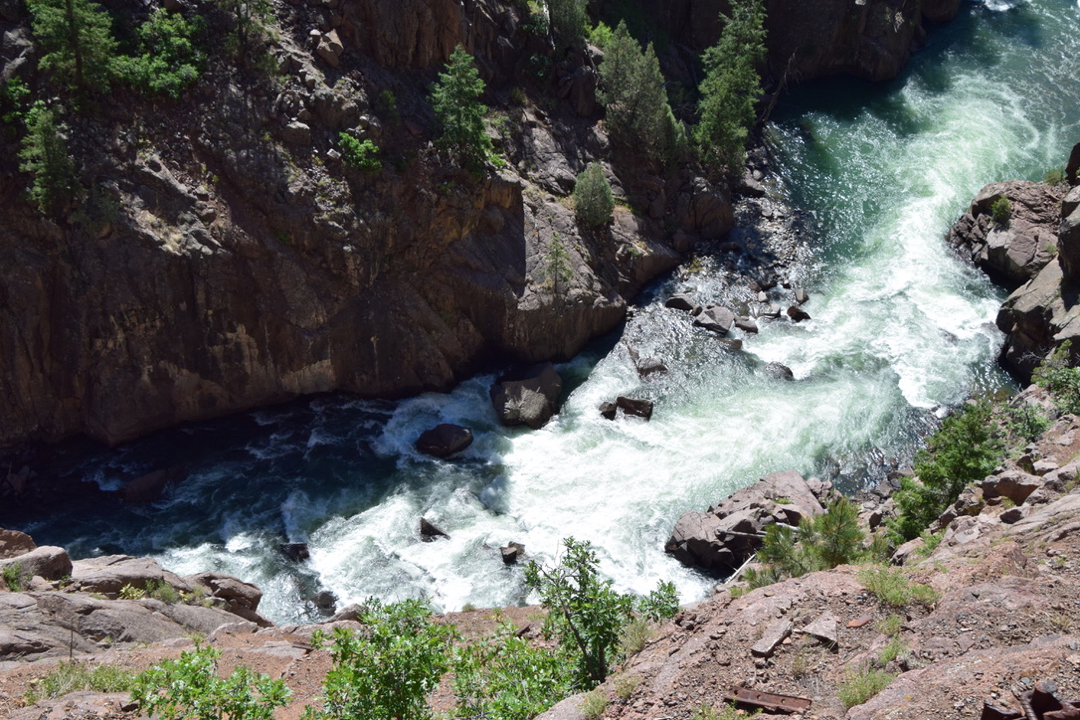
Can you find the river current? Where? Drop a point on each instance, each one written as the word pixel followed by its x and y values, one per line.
pixel 900 330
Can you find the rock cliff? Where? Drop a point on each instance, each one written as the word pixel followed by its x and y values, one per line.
pixel 224 257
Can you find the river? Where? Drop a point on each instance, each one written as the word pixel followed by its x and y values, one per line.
pixel 900 330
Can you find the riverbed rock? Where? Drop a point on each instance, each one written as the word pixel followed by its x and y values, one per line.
pixel 725 536
pixel 238 597
pixel 681 302
pixel 297 552
pixel 444 440
pixel 430 532
pixel 608 410
pixel 637 407
pixel 779 371
pixel 797 314
pixel 149 487
pixel 527 397
pixel 512 552
pixel 716 318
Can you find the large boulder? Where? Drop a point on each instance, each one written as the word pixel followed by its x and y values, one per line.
pixel 239 597
pixel 1069 247
pixel 444 440
pixel 527 397
pixel 14 543
pixel 716 318
pixel 1072 168
pixel 47 561
pixel 109 574
pixel 1014 250
pixel 725 537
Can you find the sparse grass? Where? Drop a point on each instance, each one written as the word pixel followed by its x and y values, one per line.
pixel 71 676
pixel 635 636
pixel 890 626
pixel 930 543
pixel 726 712
pixel 862 685
pixel 800 662
pixel 594 704
pixel 894 588
pixel 625 685
pixel 891 651
pixel 15 577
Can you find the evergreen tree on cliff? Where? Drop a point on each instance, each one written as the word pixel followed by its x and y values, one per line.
pixel 731 86
pixel 78 46
pixel 456 100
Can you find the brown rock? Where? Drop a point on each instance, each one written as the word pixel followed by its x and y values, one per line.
pixel 14 543
pixel 429 532
pixel 108 574
pixel 825 628
pixel 444 440
pixel 527 397
pixel 797 314
pixel 47 561
pixel 635 406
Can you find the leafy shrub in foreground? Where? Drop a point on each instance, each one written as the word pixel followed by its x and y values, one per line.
pixel 190 689
pixel 385 671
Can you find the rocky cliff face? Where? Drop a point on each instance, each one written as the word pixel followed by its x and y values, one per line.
pixel 225 258
pixel 1031 245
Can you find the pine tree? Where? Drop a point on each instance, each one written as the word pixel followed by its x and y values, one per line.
pixel 731 86
pixel 638 116
pixel 44 153
pixel 593 202
pixel 569 21
pixel 456 100
pixel 79 49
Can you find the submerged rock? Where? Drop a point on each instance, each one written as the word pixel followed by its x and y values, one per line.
pixel 429 532
pixel 635 406
pixel 527 397
pixel 512 552
pixel 444 440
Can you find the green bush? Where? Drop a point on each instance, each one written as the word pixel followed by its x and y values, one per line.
pixel 862 685
pixel 252 26
pixel 585 613
pixel 77 43
pixel 15 576
pixel 503 677
pixel 44 153
pixel 70 677
pixel 891 586
pixel 1055 176
pixel 600 35
pixel 1056 375
pixel 169 58
pixel 1001 210
pixel 190 689
pixel 593 201
pixel 385 671
pixel 963 451
pixel 362 155
pixel 821 542
pixel 455 97
pixel 569 23
pixel 731 87
pixel 13 93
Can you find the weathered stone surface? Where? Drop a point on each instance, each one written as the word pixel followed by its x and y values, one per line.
pixel 429 532
pixel 608 410
pixel 108 574
pixel 775 634
pixel 1015 485
pixel 779 371
pixel 650 366
pixel 825 628
pixel 746 325
pixel 14 543
pixel 330 48
pixel 637 407
pixel 724 537
pixel 239 598
pixel 47 561
pixel 444 440
pixel 1069 247
pixel 1072 167
pixel 716 318
pixel 527 397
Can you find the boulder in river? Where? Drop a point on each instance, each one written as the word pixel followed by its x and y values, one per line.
pixel 444 440
pixel 527 397
pixel 429 532
pixel 635 406
pixel 779 371
pixel 681 302
pixel 725 536
pixel 608 410
pixel 513 552
pixel 797 314
pixel 716 318
pixel 297 552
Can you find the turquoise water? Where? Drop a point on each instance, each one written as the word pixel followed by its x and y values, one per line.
pixel 900 330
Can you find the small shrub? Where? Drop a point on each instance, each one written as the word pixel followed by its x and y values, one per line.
pixel 130 592
pixel 635 636
pixel 45 154
pixel 169 59
pixel 13 94
pixel 69 677
pixel 593 705
pixel 1056 374
pixel 894 588
pixel 557 264
pixel 1025 422
pixel 600 35
pixel 726 712
pixel 16 577
pixel 1055 176
pixel 890 626
pixel 891 651
pixel 190 689
pixel 625 685
pixel 362 155
pixel 593 201
pixel 163 591
pixel 862 685
pixel 1001 210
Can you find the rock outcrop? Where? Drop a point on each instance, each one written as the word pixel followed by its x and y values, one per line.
pixel 528 396
pixel 729 533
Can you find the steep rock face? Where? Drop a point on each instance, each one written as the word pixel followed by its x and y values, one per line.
pixel 871 39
